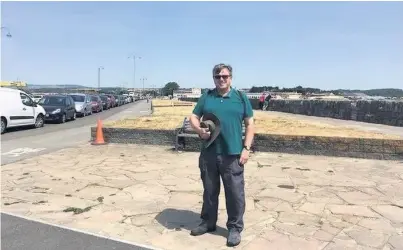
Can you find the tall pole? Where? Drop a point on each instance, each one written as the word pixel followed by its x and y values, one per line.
pixel 99 77
pixel 134 57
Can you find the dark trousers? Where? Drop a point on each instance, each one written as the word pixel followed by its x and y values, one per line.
pixel 212 166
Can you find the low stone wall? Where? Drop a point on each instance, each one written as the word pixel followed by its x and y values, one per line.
pixel 136 136
pixel 310 145
pixel 380 112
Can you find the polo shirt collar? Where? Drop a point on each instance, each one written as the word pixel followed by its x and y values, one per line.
pixel 228 94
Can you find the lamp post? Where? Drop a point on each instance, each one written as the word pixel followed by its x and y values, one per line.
pixel 7 30
pixel 134 57
pixel 99 76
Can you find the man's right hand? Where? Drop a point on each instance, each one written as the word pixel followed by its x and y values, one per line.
pixel 204 133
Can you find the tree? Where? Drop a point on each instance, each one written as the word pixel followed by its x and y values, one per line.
pixel 169 88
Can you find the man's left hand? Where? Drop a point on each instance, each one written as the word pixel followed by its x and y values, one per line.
pixel 244 157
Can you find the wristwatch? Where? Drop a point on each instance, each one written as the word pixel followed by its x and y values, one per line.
pixel 247 148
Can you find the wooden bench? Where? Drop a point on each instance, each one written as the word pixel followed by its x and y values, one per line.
pixel 186 130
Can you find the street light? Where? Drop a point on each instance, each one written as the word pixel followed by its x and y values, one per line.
pixel 99 77
pixel 134 68
pixel 8 31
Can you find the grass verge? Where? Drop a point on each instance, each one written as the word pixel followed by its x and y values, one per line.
pixel 168 116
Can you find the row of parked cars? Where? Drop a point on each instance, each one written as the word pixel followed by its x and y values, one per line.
pixel 17 108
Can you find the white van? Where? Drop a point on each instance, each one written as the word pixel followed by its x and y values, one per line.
pixel 18 109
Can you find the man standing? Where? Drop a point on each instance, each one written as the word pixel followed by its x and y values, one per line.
pixel 266 102
pixel 261 101
pixel 226 156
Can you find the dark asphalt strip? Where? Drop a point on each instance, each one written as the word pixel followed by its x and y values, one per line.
pixel 23 234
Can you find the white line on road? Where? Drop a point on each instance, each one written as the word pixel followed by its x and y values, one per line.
pixel 81 231
pixel 20 151
pixel 144 111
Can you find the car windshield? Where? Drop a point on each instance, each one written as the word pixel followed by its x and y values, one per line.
pixel 94 98
pixel 104 98
pixel 78 98
pixel 53 100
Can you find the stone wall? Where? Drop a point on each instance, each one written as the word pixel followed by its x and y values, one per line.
pixel 380 112
pixel 311 145
pixel 136 136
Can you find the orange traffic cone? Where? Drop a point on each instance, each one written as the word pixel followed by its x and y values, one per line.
pixel 99 140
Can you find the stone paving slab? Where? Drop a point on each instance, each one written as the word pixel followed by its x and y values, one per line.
pixel 152 195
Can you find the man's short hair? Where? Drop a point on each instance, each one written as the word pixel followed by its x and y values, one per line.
pixel 217 68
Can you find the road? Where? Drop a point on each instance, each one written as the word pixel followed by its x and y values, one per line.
pixel 19 144
pixel 22 234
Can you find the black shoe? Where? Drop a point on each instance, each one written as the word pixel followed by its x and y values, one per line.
pixel 202 229
pixel 234 238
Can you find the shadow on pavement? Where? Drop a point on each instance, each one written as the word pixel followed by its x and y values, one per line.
pixel 175 219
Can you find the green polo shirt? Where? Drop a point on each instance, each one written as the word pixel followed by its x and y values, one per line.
pixel 230 109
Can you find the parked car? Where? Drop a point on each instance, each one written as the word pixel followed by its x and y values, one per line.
pixel 82 103
pixel 36 97
pixel 121 100
pixel 113 101
pixel 128 99
pixel 117 100
pixel 18 109
pixel 96 103
pixel 106 102
pixel 58 108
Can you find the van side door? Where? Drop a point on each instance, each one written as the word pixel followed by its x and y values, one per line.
pixel 25 112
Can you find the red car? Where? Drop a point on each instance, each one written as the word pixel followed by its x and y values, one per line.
pixel 113 101
pixel 106 102
pixel 96 103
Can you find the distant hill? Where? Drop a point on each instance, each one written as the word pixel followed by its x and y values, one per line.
pixel 67 86
pixel 387 92
pixel 375 92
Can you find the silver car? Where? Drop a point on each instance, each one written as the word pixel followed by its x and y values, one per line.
pixel 82 103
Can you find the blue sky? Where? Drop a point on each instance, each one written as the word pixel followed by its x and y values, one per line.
pixel 326 45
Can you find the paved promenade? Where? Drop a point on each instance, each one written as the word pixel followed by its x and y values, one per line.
pixel 152 196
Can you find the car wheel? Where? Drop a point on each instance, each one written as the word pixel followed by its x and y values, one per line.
pixel 3 125
pixel 39 122
pixel 63 118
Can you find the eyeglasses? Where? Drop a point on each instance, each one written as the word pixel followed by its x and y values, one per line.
pixel 225 77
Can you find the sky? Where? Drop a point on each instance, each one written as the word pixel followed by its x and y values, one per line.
pixel 327 45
